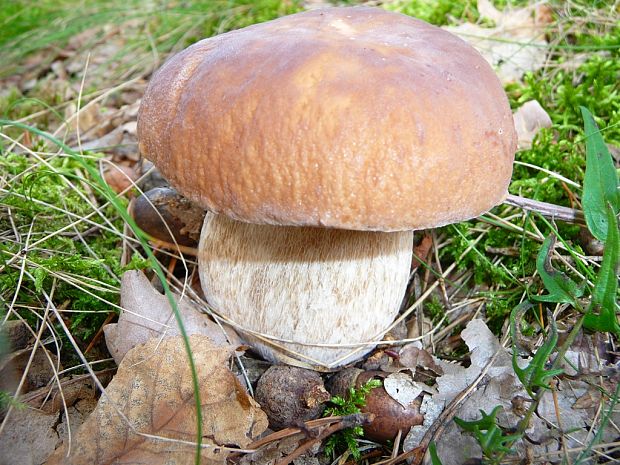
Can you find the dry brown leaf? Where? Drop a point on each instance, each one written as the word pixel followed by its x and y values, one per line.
pixel 413 356
pixel 16 334
pixel 421 251
pixel 530 118
pixel 40 370
pixel 120 178
pixel 517 42
pixel 147 314
pixel 153 389
pixel 29 437
pixel 89 116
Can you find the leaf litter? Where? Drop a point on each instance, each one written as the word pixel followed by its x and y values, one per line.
pixel 147 412
pixel 501 387
pixel 516 43
pixel 147 314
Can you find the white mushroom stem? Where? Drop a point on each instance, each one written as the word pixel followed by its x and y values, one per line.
pixel 312 287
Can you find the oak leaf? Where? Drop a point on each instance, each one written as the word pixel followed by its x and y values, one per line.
pixel 147 314
pixel 516 44
pixel 153 391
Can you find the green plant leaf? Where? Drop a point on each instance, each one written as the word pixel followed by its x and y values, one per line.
pixel 600 185
pixel 488 433
pixel 347 438
pixel 432 450
pixel 493 441
pixel 561 288
pixel 534 376
pixel 602 311
pixel 485 423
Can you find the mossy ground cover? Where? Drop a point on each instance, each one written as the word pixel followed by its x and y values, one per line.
pixel 62 239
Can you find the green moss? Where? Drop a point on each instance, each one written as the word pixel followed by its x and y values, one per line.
pixel 438 12
pixel 81 273
pixel 434 308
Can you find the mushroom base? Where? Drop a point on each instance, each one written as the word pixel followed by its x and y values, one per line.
pixel 294 292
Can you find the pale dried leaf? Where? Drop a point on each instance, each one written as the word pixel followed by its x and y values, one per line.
pixel 530 118
pixel 516 44
pixel 148 314
pixel 402 388
pixel 483 346
pixel 153 389
pixel 88 117
pixel 500 387
pixel 120 178
pixel 413 356
pixel 29 437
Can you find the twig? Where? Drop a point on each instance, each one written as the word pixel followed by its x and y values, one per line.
pixel 288 432
pixel 348 421
pixel 548 210
pixel 416 455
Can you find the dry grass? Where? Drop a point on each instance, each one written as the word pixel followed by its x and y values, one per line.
pixel 82 85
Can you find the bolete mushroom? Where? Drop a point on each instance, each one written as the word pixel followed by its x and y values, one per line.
pixel 319 141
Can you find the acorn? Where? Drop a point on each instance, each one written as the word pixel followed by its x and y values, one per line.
pixel 290 395
pixel 163 206
pixel 390 415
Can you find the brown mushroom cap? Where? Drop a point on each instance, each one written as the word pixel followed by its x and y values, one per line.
pixel 352 118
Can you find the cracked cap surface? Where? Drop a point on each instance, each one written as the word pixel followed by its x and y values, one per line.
pixel 353 118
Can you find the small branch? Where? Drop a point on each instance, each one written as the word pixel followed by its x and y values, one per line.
pixel 549 210
pixel 323 426
pixel 348 421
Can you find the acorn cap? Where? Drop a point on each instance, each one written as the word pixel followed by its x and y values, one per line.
pixel 353 118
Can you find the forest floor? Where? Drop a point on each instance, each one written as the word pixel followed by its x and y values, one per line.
pixel 72 75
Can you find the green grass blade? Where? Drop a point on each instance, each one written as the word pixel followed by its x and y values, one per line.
pixel 600 185
pixel 561 288
pixel 601 314
pixel 110 195
pixel 432 450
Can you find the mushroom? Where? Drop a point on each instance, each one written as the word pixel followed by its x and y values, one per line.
pixel 318 142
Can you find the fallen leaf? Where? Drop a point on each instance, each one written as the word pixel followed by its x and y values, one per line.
pixel 516 44
pixel 402 388
pixel 529 119
pixel 421 251
pixel 36 427
pixel 88 117
pixel 41 368
pixel 500 387
pixel 153 389
pixel 16 333
pixel 120 178
pixel 75 417
pixel 147 314
pixel 412 356
pixel 75 389
pixel 29 437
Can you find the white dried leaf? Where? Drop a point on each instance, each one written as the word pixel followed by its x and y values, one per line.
pixel 530 118
pixel 431 411
pixel 515 45
pixel 483 346
pixel 402 388
pixel 29 437
pixel 499 388
pixel 147 314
